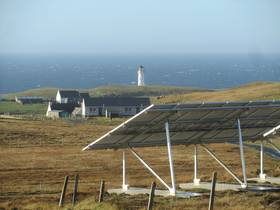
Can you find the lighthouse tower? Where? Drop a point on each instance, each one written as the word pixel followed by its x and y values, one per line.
pixel 140 73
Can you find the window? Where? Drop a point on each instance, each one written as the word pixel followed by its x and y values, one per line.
pixel 128 109
pixel 91 109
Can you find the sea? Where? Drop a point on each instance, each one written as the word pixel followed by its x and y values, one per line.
pixel 211 71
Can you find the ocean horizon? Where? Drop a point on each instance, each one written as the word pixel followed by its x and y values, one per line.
pixel 218 71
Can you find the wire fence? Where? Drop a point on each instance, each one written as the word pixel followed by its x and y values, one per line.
pixel 52 190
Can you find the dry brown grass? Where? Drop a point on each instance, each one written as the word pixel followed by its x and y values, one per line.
pixel 254 91
pixel 36 155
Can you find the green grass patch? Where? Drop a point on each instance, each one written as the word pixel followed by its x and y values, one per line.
pixel 132 90
pixel 114 90
pixel 46 93
pixel 28 109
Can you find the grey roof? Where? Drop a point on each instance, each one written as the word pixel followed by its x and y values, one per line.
pixel 194 124
pixel 69 93
pixel 84 95
pixel 30 99
pixel 117 101
pixel 67 107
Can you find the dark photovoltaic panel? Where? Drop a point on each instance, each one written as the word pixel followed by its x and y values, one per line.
pixel 193 124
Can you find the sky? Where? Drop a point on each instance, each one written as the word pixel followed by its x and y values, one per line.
pixel 146 26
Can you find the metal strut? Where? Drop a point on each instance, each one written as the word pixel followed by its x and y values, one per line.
pixel 196 181
pixel 221 163
pixel 124 185
pixel 149 168
pixel 244 185
pixel 262 175
pixel 273 145
pixel 173 189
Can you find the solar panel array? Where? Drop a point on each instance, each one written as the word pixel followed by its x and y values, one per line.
pixel 193 124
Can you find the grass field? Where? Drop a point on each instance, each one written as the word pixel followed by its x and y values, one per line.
pixel 37 154
pixel 116 90
pixel 254 91
pixel 28 109
pixel 171 94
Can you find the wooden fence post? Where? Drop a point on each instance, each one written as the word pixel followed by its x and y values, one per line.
pixel 101 191
pixel 151 196
pixel 62 196
pixel 212 193
pixel 74 198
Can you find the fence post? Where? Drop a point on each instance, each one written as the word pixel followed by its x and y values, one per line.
pixel 62 196
pixel 151 196
pixel 101 191
pixel 212 193
pixel 74 198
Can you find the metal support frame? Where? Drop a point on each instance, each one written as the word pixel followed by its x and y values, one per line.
pixel 149 168
pixel 173 190
pixel 196 181
pixel 274 145
pixel 262 175
pixel 244 185
pixel 271 131
pixel 124 184
pixel 222 164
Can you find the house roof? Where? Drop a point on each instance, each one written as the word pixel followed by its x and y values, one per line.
pixel 29 97
pixel 69 107
pixel 69 94
pixel 84 95
pixel 117 101
pixel 29 100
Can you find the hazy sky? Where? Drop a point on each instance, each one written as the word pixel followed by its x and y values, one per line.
pixel 142 26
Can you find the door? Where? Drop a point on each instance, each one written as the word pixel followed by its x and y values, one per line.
pixel 100 111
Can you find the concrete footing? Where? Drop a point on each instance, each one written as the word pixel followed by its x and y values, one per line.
pixel 271 180
pixel 263 176
pixel 165 193
pixel 196 181
pixel 207 186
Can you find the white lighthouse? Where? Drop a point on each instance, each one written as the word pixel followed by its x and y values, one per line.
pixel 140 73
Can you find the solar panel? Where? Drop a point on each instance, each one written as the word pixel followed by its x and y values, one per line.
pixel 199 123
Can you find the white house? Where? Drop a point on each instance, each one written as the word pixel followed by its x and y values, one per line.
pixel 29 100
pixel 114 106
pixel 67 103
pixel 56 110
pixel 71 102
pixel 68 96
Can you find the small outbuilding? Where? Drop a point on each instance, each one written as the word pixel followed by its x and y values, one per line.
pixel 29 100
pixel 57 110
